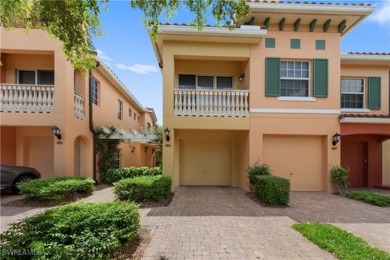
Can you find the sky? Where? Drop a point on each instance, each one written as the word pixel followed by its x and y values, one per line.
pixel 127 49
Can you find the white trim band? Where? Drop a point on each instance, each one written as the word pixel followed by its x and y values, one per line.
pixel 355 110
pixel 294 111
pixel 365 120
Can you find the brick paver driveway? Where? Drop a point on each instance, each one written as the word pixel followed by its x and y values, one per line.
pixel 224 223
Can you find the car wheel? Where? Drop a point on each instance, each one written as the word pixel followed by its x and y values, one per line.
pixel 23 178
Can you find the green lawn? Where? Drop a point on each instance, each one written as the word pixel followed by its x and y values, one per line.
pixel 341 243
pixel 370 197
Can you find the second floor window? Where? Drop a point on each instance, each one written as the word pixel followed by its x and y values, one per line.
pixel 35 77
pixel 191 81
pixel 120 109
pixel 130 112
pixel 352 93
pixel 95 91
pixel 294 77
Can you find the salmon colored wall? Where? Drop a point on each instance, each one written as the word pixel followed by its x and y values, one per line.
pixel 352 157
pixel 27 61
pixel 3 60
pixel 307 52
pixel 356 128
pixel 386 163
pixel 8 145
pixel 366 71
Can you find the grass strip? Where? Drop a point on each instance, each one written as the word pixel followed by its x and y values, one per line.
pixel 370 198
pixel 341 243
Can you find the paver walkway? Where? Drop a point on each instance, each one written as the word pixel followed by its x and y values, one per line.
pixel 224 223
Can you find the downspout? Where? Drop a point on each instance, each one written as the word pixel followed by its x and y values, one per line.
pixel 91 127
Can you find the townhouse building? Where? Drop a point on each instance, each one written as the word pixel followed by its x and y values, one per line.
pixel 274 90
pixel 49 109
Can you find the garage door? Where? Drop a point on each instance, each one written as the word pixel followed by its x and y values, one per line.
pixel 205 162
pixel 298 158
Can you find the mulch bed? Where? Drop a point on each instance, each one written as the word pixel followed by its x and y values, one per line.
pixel 134 250
pixel 25 202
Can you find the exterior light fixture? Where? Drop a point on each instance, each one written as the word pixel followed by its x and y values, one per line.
pixel 56 131
pixel 167 134
pixel 242 76
pixel 132 149
pixel 336 138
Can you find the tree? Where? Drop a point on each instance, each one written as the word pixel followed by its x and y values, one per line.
pixel 73 21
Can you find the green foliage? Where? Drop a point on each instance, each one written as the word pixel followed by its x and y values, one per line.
pixel 339 176
pixel 272 190
pixel 371 198
pixel 70 21
pixel 56 188
pixel 114 175
pixel 143 188
pixel 74 231
pixel 256 170
pixel 225 12
pixel 344 245
pixel 106 149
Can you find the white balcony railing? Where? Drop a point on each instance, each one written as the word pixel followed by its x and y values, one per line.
pixel 26 98
pixel 217 103
pixel 79 106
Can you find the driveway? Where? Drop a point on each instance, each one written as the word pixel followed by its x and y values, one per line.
pixel 225 223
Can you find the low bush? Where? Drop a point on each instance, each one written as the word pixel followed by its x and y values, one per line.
pixel 341 243
pixel 114 175
pixel 371 198
pixel 74 231
pixel 257 170
pixel 339 176
pixel 56 188
pixel 272 190
pixel 143 188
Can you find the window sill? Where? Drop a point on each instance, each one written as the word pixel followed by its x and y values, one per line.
pixel 355 110
pixel 305 99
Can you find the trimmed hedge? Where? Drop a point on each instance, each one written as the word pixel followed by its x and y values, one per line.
pixel 56 188
pixel 73 231
pixel 272 190
pixel 114 175
pixel 143 188
pixel 256 170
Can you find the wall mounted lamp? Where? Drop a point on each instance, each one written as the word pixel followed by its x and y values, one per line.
pixel 336 138
pixel 56 131
pixel 167 134
pixel 132 149
pixel 242 76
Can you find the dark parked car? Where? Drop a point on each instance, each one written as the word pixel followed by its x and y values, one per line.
pixel 12 175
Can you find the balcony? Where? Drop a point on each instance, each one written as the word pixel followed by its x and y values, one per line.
pixel 211 103
pixel 26 98
pixel 79 106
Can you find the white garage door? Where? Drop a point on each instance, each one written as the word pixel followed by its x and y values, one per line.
pixel 298 158
pixel 205 162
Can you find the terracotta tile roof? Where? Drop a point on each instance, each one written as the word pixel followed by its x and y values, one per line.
pixel 184 24
pixel 370 53
pixel 305 2
pixel 363 116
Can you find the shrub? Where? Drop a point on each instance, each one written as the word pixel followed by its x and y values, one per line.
pixel 114 175
pixel 339 176
pixel 272 190
pixel 143 188
pixel 371 198
pixel 74 231
pixel 56 188
pixel 257 170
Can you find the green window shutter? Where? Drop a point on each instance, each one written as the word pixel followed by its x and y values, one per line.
pixel 320 78
pixel 272 77
pixel 374 93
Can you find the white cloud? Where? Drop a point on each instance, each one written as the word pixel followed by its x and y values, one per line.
pixel 138 68
pixel 382 14
pixel 103 56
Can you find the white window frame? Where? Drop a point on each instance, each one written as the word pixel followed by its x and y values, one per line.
pixel 364 108
pixel 118 157
pixel 309 96
pixel 97 99
pixel 207 75
pixel 36 75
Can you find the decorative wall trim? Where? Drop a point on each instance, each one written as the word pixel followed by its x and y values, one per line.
pixel 294 111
